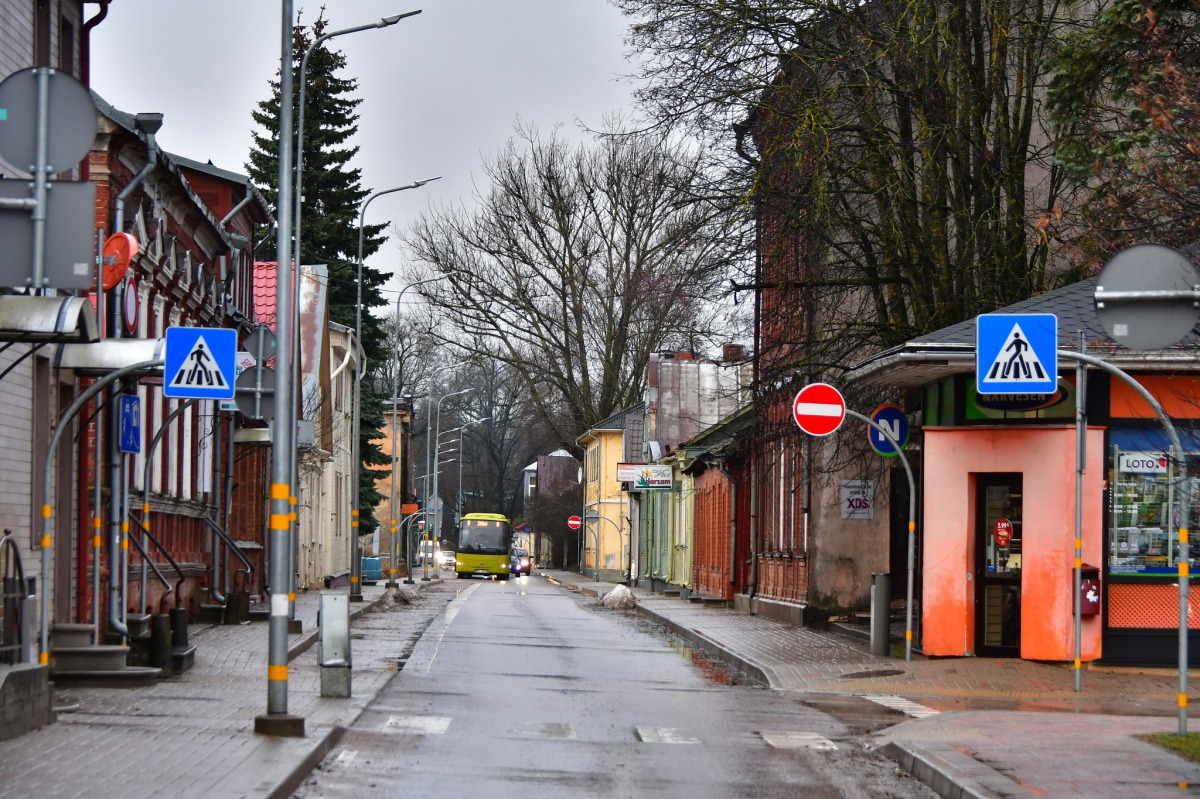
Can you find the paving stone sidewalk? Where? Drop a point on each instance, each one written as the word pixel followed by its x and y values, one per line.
pixel 193 735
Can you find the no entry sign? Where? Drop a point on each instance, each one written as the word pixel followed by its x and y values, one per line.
pixel 574 522
pixel 819 409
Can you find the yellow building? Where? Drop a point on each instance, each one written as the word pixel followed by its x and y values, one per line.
pixel 605 539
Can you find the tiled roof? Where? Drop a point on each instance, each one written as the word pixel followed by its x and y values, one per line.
pixel 264 292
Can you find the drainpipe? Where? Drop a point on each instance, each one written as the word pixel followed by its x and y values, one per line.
pixel 85 45
pixel 118 527
pixel 732 523
pixel 753 529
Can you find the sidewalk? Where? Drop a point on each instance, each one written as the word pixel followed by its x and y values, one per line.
pixel 982 726
pixel 193 735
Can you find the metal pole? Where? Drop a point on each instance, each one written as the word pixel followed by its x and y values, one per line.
pixel 1080 465
pixel 64 422
pixel 98 434
pixel 1186 508
pixel 912 527
pixel 277 657
pixel 40 180
pixel 437 471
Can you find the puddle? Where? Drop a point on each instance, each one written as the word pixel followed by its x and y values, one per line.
pixel 711 671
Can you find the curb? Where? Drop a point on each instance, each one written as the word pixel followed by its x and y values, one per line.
pixel 746 666
pixel 951 773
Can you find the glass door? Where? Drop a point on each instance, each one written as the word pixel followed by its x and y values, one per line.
pixel 998 534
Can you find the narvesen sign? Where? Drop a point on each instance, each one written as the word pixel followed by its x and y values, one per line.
pixel 1142 463
pixel 644 476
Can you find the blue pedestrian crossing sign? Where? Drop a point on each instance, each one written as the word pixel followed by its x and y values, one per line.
pixel 892 419
pixel 1016 354
pixel 131 423
pixel 200 363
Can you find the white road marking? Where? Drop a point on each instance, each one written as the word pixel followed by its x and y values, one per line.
pixel 903 705
pixel 663 735
pixel 547 729
pixel 798 740
pixel 345 757
pixel 416 662
pixel 417 725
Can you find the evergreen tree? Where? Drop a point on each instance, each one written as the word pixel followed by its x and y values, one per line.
pixel 333 193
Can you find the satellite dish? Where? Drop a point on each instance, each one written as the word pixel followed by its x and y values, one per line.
pixel 1146 297
pixel 72 118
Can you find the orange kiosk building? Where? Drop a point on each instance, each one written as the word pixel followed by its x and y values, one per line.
pixel 996 535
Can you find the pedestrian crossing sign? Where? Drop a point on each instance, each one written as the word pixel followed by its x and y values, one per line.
pixel 1016 354
pixel 199 363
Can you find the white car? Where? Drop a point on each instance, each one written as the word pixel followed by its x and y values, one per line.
pixel 445 559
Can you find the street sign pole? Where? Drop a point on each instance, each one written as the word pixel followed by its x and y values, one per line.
pixel 1080 465
pixel 277 721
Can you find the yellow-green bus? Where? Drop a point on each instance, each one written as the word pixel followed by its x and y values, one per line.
pixel 484 545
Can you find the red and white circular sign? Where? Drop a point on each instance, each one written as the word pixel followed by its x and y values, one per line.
pixel 1003 532
pixel 819 409
pixel 574 522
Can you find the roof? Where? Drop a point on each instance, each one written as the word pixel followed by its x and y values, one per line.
pixel 719 438
pixel 264 292
pixel 951 350
pixel 615 422
pixel 558 453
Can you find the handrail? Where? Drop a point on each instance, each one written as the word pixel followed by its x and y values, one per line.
pixel 167 555
pixel 236 550
pixel 147 562
pixel 158 434
pixel 7 543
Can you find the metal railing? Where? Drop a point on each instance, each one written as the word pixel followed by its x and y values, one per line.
pixel 176 590
pixel 13 594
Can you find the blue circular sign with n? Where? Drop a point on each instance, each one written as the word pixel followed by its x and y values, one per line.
pixel 892 419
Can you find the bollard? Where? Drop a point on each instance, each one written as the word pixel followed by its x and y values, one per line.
pixel 160 642
pixel 333 651
pixel 881 614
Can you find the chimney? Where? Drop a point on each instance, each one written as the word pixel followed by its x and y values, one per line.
pixel 733 353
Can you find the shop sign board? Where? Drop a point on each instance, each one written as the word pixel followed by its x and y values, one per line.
pixel 819 409
pixel 892 419
pixel 1142 463
pixel 645 476
pixel 858 499
pixel 1016 354
pixel 1003 532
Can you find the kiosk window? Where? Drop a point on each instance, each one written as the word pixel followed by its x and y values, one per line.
pixel 1144 533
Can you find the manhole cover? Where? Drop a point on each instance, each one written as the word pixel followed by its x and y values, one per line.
pixel 864 675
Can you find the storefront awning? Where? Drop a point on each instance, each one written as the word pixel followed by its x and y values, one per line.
pixel 107 355
pixel 41 320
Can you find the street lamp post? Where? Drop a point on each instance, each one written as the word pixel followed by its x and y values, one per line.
pixel 293 408
pixel 355 565
pixel 458 507
pixel 433 495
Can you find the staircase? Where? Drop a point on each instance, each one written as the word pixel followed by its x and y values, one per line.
pixel 74 660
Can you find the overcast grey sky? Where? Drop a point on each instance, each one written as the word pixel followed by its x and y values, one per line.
pixel 439 90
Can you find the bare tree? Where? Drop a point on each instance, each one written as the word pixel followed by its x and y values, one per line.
pixel 578 263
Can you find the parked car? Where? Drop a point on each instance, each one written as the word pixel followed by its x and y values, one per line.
pixel 521 563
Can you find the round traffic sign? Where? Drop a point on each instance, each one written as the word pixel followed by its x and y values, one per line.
pixel 890 418
pixel 819 409
pixel 71 116
pixel 131 306
pixel 574 522
pixel 1150 324
pixel 1003 532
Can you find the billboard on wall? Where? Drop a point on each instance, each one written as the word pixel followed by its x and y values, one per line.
pixel 644 476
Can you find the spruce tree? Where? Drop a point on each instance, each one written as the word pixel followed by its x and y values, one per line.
pixel 333 192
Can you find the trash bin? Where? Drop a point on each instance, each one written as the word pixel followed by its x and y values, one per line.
pixel 1089 590
pixel 881 614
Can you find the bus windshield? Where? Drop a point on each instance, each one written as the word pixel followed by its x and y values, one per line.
pixel 483 537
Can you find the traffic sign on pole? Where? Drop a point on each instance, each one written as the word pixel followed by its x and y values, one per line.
pixel 200 363
pixel 892 419
pixel 1016 354
pixel 1148 297
pixel 131 423
pixel 574 522
pixel 819 409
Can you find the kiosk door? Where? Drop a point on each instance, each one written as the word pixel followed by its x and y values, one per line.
pixel 998 565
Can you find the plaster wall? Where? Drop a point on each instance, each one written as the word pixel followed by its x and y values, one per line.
pixel 1046 459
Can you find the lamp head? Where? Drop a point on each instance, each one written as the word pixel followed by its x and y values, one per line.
pixel 388 21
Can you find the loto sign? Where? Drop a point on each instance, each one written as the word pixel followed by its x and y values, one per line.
pixel 1142 463
pixel 644 476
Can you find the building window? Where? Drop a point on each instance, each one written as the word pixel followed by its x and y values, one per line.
pixel 66 46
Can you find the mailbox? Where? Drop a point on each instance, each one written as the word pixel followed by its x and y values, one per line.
pixel 1089 591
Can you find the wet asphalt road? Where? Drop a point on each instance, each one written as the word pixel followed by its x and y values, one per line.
pixel 524 689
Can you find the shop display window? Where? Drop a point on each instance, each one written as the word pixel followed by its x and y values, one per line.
pixel 1145 514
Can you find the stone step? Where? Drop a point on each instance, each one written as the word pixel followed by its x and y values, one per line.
pixel 131 677
pixel 88 658
pixel 670 592
pixel 211 613
pixel 71 634
pixel 183 658
pixel 696 598
pixel 139 625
